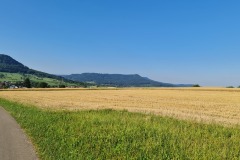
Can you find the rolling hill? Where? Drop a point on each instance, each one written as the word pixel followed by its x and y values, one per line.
pixel 10 65
pixel 119 80
pixel 13 71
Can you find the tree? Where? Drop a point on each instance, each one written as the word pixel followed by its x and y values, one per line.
pixel 196 85
pixel 62 86
pixel 27 83
pixel 2 85
pixel 42 85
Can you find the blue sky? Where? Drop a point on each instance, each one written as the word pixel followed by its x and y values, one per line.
pixel 167 40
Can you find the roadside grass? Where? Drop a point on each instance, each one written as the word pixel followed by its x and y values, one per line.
pixel 109 134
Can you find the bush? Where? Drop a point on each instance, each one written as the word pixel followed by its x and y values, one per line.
pixel 42 85
pixel 196 85
pixel 62 86
pixel 27 83
pixel 230 87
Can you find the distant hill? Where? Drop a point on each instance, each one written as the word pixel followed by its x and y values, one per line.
pixel 14 71
pixel 119 80
pixel 10 65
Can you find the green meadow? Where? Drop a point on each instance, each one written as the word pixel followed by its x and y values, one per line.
pixel 109 134
pixel 18 77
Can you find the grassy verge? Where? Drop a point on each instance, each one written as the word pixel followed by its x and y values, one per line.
pixel 109 134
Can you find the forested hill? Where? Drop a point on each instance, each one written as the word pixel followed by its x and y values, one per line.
pixel 119 80
pixel 10 65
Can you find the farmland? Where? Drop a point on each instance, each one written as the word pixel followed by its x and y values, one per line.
pixel 18 77
pixel 96 124
pixel 203 104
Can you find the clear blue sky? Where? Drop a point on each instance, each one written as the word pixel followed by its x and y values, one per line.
pixel 177 41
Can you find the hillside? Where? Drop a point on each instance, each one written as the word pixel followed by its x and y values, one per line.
pixel 119 80
pixel 10 65
pixel 15 72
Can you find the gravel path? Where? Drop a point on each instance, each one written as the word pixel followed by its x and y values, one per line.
pixel 14 144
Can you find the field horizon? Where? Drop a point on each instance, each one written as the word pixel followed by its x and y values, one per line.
pixel 205 104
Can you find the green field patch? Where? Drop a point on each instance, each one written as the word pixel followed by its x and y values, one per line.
pixel 109 134
pixel 19 77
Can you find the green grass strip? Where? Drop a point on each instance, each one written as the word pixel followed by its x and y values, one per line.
pixel 108 134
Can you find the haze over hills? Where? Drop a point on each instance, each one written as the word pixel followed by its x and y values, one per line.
pixel 120 80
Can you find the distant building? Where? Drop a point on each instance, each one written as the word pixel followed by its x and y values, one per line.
pixel 93 87
pixel 13 87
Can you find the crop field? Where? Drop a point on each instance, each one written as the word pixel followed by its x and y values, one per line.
pixel 201 104
pixel 91 124
pixel 109 134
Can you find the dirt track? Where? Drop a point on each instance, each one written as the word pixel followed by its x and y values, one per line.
pixel 14 145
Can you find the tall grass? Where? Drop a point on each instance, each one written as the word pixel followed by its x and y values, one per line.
pixel 108 134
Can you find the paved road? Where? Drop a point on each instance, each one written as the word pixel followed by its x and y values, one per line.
pixel 14 145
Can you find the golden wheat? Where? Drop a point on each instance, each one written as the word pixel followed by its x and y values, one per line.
pixel 203 104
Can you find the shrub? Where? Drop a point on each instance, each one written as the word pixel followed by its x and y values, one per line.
pixel 27 83
pixel 43 85
pixel 62 86
pixel 196 85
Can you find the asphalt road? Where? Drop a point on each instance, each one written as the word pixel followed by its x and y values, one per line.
pixel 14 144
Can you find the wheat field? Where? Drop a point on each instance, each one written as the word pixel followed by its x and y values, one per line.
pixel 201 104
